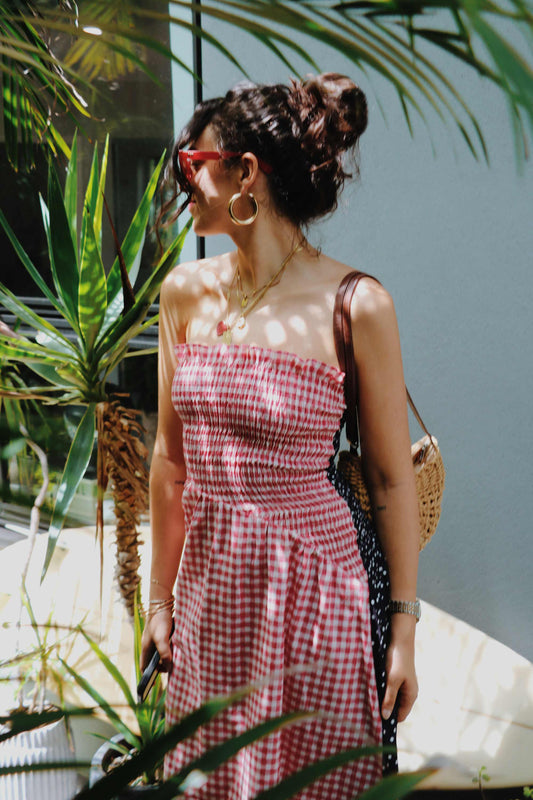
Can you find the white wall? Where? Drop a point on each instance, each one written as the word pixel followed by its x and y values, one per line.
pixel 453 242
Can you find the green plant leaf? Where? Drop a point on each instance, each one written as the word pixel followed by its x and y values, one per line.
pixel 150 714
pixel 10 396
pixel 395 786
pixel 90 199
pixel 134 239
pixel 123 330
pixel 35 321
pixel 109 37
pixel 54 366
pixel 23 109
pixel 68 348
pixel 112 715
pixel 63 256
pixel 294 783
pixel 71 191
pixel 138 628
pixel 115 355
pixel 513 69
pixel 20 721
pixel 43 766
pixel 77 461
pixel 113 671
pixel 26 351
pixel 25 46
pixel 28 264
pixel 107 787
pixel 71 374
pixel 243 22
pixel 92 300
pixel 208 762
pixel 18 123
pixel 97 216
pixel 148 351
pixel 30 90
pixel 32 72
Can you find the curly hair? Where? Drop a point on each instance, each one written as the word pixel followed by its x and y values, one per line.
pixel 303 130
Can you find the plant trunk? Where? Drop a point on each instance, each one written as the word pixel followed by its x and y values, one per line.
pixel 127 471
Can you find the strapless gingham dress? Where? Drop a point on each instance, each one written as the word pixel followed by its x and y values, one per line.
pixel 271 576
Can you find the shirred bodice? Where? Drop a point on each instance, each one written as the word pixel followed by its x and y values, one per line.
pixel 265 451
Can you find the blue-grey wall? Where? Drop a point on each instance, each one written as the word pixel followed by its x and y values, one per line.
pixel 452 239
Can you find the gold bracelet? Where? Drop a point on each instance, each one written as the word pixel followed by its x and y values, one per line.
pixel 155 606
pixel 149 614
pixel 152 612
pixel 168 603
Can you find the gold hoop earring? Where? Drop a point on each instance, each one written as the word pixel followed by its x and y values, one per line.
pixel 248 220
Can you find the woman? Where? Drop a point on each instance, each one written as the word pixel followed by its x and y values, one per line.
pixel 271 580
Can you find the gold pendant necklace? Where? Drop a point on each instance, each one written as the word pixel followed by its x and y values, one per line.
pixel 224 327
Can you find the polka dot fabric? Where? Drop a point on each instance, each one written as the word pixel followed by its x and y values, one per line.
pixel 271 582
pixel 379 593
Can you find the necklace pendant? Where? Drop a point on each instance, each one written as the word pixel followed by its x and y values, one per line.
pixel 241 323
pixel 222 327
pixel 227 336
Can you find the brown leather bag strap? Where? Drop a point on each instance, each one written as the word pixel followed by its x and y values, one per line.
pixel 416 413
pixel 342 333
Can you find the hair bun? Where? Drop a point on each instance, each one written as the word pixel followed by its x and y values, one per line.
pixel 331 112
pixel 303 131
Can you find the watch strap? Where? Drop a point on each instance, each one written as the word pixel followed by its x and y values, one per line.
pixel 411 607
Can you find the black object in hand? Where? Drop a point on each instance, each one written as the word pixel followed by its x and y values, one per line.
pixel 150 674
pixel 148 677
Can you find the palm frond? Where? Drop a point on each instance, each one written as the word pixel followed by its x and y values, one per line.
pixel 411 44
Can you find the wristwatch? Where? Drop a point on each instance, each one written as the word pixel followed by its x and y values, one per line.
pixel 405 607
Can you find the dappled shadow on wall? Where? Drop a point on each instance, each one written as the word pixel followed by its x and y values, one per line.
pixel 475 707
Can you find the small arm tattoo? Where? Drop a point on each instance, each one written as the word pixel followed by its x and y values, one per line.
pixel 381 508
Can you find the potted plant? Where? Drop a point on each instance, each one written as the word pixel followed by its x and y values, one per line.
pixel 98 315
pixel 148 717
pixel 36 731
pixel 36 740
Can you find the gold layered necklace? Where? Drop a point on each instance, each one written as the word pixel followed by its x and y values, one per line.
pixel 248 301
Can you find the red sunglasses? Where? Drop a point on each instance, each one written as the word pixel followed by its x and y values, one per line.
pixel 186 157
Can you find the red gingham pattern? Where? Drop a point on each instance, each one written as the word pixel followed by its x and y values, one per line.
pixel 271 576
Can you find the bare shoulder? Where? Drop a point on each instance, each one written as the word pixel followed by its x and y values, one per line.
pixel 371 301
pixel 187 283
pixel 372 309
pixel 371 304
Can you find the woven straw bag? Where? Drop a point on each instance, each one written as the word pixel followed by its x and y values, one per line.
pixel 426 456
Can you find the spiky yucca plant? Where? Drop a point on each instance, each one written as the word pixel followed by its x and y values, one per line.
pixel 100 315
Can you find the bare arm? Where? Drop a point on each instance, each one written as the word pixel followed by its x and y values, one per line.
pixel 387 465
pixel 167 476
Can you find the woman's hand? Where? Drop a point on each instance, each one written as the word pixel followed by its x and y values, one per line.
pixel 156 635
pixel 401 676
